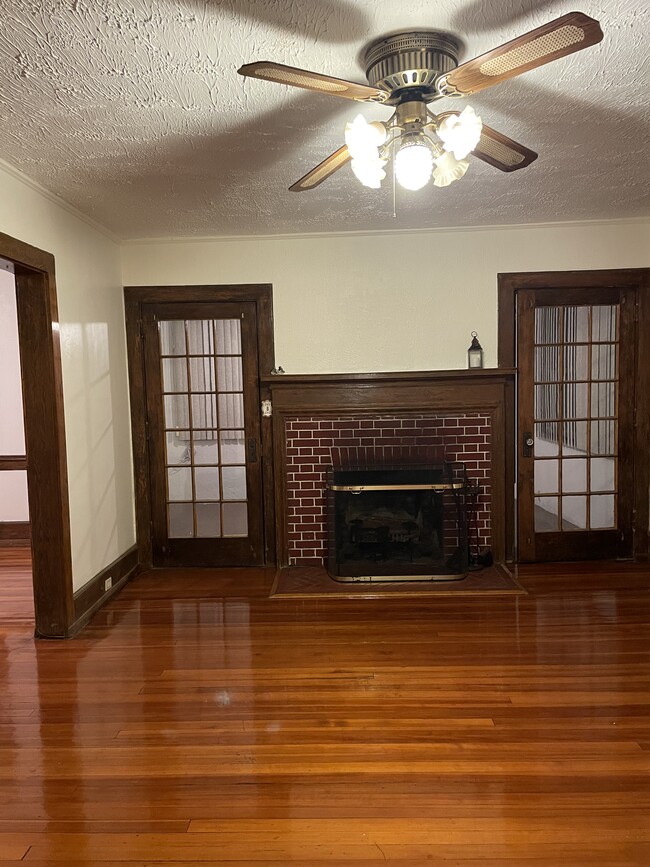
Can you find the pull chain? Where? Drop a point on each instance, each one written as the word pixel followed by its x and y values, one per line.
pixel 392 145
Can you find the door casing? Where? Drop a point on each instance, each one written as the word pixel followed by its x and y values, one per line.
pixel 134 298
pixel 47 471
pixel 636 280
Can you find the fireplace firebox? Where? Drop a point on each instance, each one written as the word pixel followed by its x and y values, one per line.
pixel 398 523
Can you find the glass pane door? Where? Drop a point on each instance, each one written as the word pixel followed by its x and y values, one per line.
pixel 576 375
pixel 205 454
pixel 203 403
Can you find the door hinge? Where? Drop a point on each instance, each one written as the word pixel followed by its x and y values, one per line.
pixel 267 409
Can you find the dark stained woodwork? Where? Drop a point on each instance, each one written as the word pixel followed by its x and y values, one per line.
pixel 401 376
pixel 642 418
pixel 510 284
pixel 135 297
pixel 92 596
pixel 418 391
pixel 212 551
pixel 14 534
pixel 139 438
pixel 526 537
pixel 635 373
pixel 13 462
pixel 196 721
pixel 47 475
pixel 577 545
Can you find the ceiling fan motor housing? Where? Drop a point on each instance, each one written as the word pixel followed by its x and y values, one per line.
pixel 408 63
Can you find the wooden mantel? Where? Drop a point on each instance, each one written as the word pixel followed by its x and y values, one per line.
pixel 464 375
pixel 489 390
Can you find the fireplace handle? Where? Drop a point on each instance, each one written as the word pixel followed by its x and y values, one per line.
pixel 358 489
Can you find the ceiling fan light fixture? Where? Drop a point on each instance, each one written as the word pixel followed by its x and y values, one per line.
pixel 448 169
pixel 363 139
pixel 413 163
pixel 370 172
pixel 460 133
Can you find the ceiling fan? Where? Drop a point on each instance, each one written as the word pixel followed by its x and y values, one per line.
pixel 409 71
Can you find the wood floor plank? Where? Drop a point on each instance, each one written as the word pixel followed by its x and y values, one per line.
pixel 195 722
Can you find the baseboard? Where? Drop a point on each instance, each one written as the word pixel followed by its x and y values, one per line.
pixel 93 595
pixel 14 534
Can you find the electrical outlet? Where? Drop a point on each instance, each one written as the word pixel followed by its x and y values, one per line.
pixel 108 583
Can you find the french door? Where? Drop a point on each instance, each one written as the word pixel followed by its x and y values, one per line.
pixel 202 405
pixel 576 363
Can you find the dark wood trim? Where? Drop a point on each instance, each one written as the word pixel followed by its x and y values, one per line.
pixel 13 462
pixel 635 279
pixel 510 284
pixel 14 534
pixel 47 474
pixel 368 394
pixel 317 379
pixel 92 596
pixel 21 253
pixel 139 439
pixel 642 419
pixel 134 299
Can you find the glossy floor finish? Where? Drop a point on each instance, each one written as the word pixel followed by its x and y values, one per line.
pixel 197 722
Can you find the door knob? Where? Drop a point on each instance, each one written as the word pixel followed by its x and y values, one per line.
pixel 529 442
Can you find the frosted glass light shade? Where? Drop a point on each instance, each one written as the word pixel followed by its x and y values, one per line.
pixel 363 141
pixel 460 133
pixel 413 165
pixel 370 172
pixel 363 138
pixel 448 169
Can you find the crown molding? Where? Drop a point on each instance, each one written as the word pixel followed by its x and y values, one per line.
pixel 57 200
pixel 211 239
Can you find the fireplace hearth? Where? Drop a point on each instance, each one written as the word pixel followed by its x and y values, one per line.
pixel 400 522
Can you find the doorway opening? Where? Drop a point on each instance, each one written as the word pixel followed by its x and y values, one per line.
pixel 14 508
pixel 16 593
pixel 44 458
pixel 578 342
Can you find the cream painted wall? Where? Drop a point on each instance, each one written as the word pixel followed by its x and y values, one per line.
pixel 402 301
pixel 95 386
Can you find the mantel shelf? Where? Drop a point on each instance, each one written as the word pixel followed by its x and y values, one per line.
pixel 465 375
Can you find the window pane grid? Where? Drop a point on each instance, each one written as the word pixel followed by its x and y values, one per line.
pixel 576 362
pixel 206 482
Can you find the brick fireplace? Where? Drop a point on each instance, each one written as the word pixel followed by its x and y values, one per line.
pixel 314 443
pixel 323 420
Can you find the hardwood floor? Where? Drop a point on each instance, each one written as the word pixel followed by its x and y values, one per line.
pixel 196 722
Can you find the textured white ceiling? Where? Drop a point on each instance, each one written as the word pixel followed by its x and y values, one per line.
pixel 132 111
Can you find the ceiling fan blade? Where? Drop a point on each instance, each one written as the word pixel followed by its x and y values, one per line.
pixel 323 170
pixel 502 152
pixel 270 71
pixel 558 38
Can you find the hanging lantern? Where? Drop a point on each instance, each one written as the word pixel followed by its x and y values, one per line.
pixel 475 352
